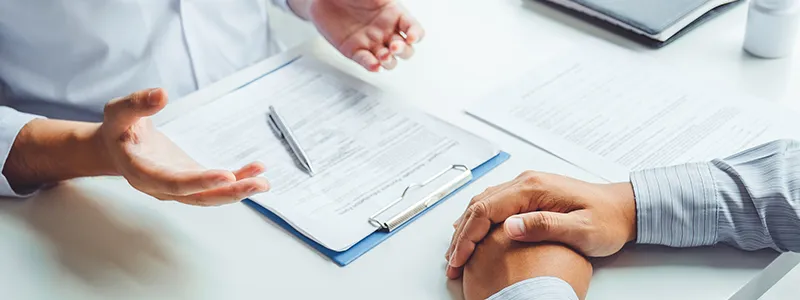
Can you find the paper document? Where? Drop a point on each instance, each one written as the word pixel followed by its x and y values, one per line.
pixel 611 111
pixel 366 149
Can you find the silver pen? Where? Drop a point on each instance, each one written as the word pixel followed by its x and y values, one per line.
pixel 291 139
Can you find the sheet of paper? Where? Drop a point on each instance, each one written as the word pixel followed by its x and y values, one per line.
pixel 610 111
pixel 365 148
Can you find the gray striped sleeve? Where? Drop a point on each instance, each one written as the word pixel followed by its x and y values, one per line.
pixel 750 200
pixel 539 288
pixel 676 206
pixel 759 191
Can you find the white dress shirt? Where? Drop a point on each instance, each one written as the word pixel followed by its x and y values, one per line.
pixel 66 59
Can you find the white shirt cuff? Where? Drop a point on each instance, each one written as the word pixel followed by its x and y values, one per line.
pixel 284 5
pixel 11 122
pixel 539 288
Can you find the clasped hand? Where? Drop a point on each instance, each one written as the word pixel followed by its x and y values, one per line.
pixel 595 219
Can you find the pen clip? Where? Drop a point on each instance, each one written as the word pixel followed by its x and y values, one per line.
pixel 274 125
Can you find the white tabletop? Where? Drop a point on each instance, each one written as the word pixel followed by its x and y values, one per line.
pixel 99 239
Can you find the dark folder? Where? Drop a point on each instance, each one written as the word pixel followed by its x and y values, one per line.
pixel 654 23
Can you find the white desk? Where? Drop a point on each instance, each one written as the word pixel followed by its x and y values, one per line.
pixel 99 239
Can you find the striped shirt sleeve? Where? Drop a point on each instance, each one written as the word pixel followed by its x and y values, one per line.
pixel 750 200
pixel 539 288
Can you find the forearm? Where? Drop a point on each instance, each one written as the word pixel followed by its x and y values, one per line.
pixel 47 151
pixel 759 196
pixel 750 200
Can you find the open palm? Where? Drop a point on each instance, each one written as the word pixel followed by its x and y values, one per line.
pixel 153 164
pixel 370 32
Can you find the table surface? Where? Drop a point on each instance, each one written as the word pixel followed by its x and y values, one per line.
pixel 100 239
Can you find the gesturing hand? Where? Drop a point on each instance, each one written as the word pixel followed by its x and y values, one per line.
pixel 596 219
pixel 153 164
pixel 370 32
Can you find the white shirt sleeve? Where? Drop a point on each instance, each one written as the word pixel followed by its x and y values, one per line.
pixel 284 5
pixel 11 122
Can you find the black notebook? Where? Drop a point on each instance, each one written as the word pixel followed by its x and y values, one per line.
pixel 651 22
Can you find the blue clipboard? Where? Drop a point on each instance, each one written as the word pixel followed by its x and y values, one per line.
pixel 346 257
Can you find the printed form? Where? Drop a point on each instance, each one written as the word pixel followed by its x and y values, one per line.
pixel 611 111
pixel 365 149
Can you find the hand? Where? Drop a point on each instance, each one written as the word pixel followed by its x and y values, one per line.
pixel 156 166
pixel 596 219
pixel 499 262
pixel 367 31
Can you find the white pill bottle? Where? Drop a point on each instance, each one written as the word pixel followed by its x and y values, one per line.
pixel 772 28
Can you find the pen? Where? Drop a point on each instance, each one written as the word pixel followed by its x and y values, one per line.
pixel 286 134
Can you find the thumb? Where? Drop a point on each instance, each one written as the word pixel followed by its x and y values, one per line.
pixel 121 113
pixel 544 226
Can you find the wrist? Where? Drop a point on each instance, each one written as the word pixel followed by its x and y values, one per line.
pixel 625 195
pixel 47 151
pixel 94 143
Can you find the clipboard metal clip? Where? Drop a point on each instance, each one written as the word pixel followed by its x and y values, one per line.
pixel 404 216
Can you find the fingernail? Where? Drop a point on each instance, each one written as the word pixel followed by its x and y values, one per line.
pixel 398 49
pixel 150 99
pixel 515 227
pixel 451 261
pixel 371 67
